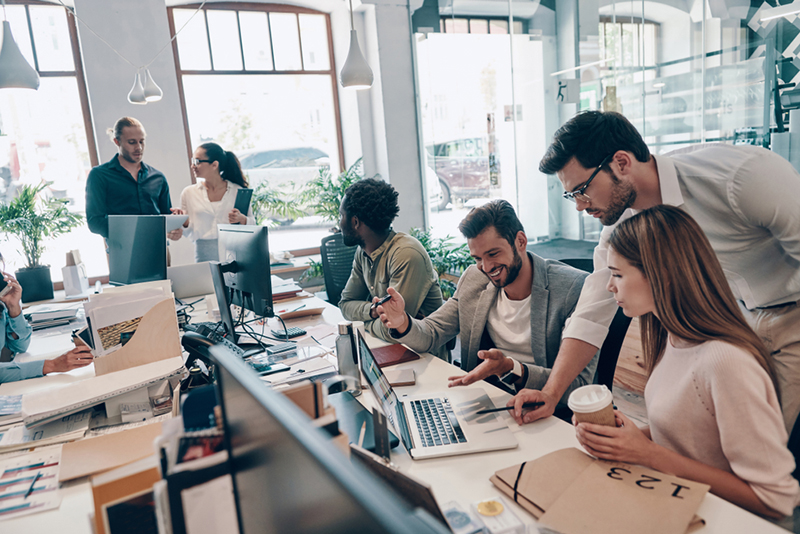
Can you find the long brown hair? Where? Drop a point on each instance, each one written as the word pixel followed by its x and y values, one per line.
pixel 693 300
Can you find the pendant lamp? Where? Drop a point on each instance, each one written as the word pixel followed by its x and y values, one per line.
pixel 136 96
pixel 356 72
pixel 14 70
pixel 152 92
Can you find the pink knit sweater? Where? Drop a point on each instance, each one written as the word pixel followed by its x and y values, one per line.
pixel 714 403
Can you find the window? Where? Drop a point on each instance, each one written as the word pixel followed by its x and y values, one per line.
pixel 479 25
pixel 44 134
pixel 259 80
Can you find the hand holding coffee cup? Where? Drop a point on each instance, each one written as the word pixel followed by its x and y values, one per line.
pixel 593 404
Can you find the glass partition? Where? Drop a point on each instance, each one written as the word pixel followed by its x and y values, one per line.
pixel 497 80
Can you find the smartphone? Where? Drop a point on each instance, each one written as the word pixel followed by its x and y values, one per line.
pixel 5 287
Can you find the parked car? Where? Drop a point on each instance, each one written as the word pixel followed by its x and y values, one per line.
pixel 281 166
pixel 462 166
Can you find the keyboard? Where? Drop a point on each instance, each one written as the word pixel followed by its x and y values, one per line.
pixel 437 423
pixel 292 331
pixel 281 347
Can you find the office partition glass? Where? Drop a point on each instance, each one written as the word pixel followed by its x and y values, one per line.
pixel 497 80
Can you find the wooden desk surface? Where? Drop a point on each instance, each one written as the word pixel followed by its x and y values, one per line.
pixel 464 479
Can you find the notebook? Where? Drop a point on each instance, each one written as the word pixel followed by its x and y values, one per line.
pixel 192 280
pixel 438 424
pixel 393 354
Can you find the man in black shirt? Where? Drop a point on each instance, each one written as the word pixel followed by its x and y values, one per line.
pixel 125 185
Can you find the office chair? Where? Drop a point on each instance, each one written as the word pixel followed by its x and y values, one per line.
pixel 794 446
pixel 337 264
pixel 609 352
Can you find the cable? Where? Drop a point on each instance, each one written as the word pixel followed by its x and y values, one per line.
pixel 71 11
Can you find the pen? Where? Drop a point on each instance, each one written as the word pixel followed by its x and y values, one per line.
pixel 361 434
pixel 381 301
pixel 30 489
pixel 527 405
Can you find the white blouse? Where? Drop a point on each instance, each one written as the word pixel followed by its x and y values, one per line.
pixel 204 215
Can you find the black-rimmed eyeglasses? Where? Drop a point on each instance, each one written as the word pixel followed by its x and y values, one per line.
pixel 578 194
pixel 196 161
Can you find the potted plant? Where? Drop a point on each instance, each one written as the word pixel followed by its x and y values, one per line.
pixel 32 219
pixel 449 260
pixel 323 195
pixel 275 205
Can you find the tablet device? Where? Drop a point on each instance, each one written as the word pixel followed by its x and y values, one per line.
pixel 243 197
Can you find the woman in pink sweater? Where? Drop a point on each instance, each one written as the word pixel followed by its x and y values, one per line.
pixel 711 393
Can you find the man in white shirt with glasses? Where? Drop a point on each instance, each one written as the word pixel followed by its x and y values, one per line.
pixel 746 199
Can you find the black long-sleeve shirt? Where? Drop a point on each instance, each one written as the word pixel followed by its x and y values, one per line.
pixel 111 190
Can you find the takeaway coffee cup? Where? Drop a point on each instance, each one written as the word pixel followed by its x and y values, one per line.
pixel 593 404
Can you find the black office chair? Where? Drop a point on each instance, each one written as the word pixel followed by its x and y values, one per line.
pixel 794 446
pixel 337 264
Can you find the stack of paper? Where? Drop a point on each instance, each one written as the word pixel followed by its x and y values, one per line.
pixel 68 428
pixel 45 315
pixel 10 409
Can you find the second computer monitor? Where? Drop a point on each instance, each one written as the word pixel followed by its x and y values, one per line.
pixel 244 255
pixel 137 248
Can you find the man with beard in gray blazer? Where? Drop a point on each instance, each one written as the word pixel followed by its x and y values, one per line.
pixel 509 309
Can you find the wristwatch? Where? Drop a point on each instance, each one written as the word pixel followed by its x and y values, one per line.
pixel 514 374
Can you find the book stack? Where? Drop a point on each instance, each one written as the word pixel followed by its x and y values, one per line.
pixel 284 289
pixel 47 315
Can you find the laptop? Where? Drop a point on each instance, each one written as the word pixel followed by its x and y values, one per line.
pixel 192 280
pixel 439 424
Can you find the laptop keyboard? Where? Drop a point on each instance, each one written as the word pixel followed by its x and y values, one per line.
pixel 437 423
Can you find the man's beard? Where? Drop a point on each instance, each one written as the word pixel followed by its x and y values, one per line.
pixel 622 197
pixel 512 271
pixel 351 238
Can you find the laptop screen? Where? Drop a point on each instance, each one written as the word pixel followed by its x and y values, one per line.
pixel 375 377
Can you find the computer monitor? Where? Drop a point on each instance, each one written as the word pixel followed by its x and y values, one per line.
pixel 288 478
pixel 137 248
pixel 223 300
pixel 244 254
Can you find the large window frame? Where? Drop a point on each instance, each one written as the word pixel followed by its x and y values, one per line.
pixel 265 8
pixel 80 81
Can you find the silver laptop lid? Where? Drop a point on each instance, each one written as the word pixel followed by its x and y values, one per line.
pixel 377 381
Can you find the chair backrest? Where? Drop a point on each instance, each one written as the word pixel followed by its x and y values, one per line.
pixel 794 446
pixel 337 264
pixel 609 352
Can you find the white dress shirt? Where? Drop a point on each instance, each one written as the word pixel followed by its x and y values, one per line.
pixel 747 201
pixel 204 215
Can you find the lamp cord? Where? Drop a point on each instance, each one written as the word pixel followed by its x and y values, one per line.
pixel 352 24
pixel 71 11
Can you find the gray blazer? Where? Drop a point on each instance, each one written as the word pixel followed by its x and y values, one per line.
pixel 554 294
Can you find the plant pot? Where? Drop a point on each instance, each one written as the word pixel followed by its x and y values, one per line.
pixel 36 283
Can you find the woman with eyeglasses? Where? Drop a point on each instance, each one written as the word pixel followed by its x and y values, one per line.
pixel 712 403
pixel 210 201
pixel 16 336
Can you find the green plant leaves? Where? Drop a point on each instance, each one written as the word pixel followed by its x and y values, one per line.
pixel 31 218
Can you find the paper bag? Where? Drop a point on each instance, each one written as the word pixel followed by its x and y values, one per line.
pixel 573 493
pixel 76 281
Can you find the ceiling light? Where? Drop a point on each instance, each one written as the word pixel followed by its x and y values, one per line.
pixel 136 96
pixel 152 92
pixel 356 72
pixel 14 70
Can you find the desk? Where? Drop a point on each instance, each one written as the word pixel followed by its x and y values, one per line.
pixel 461 478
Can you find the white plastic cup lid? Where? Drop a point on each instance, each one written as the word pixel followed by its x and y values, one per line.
pixel 588 399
